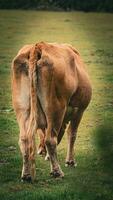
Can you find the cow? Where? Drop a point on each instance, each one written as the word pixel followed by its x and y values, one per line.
pixel 50 87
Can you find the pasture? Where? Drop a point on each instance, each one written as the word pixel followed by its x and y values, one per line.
pixel 92 35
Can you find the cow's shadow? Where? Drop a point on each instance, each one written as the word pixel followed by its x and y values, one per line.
pixel 94 173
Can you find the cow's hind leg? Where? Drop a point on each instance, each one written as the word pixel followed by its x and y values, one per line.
pixel 71 134
pixel 24 145
pixel 27 147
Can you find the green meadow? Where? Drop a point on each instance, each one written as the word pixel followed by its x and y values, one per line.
pixel 92 35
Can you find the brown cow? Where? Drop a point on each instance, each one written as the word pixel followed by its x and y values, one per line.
pixel 50 86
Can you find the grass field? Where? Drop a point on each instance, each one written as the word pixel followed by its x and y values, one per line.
pixel 92 35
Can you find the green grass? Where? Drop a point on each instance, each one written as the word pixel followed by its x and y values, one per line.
pixel 92 35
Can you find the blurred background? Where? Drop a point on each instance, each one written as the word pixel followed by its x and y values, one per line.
pixel 88 26
pixel 84 5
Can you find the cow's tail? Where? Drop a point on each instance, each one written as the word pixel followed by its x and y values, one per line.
pixel 32 126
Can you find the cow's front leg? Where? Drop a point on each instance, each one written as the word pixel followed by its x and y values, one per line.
pixel 51 143
pixel 71 133
pixel 41 150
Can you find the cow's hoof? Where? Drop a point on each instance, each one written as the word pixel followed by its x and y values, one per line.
pixel 27 179
pixel 47 157
pixel 70 163
pixel 41 151
pixel 56 173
